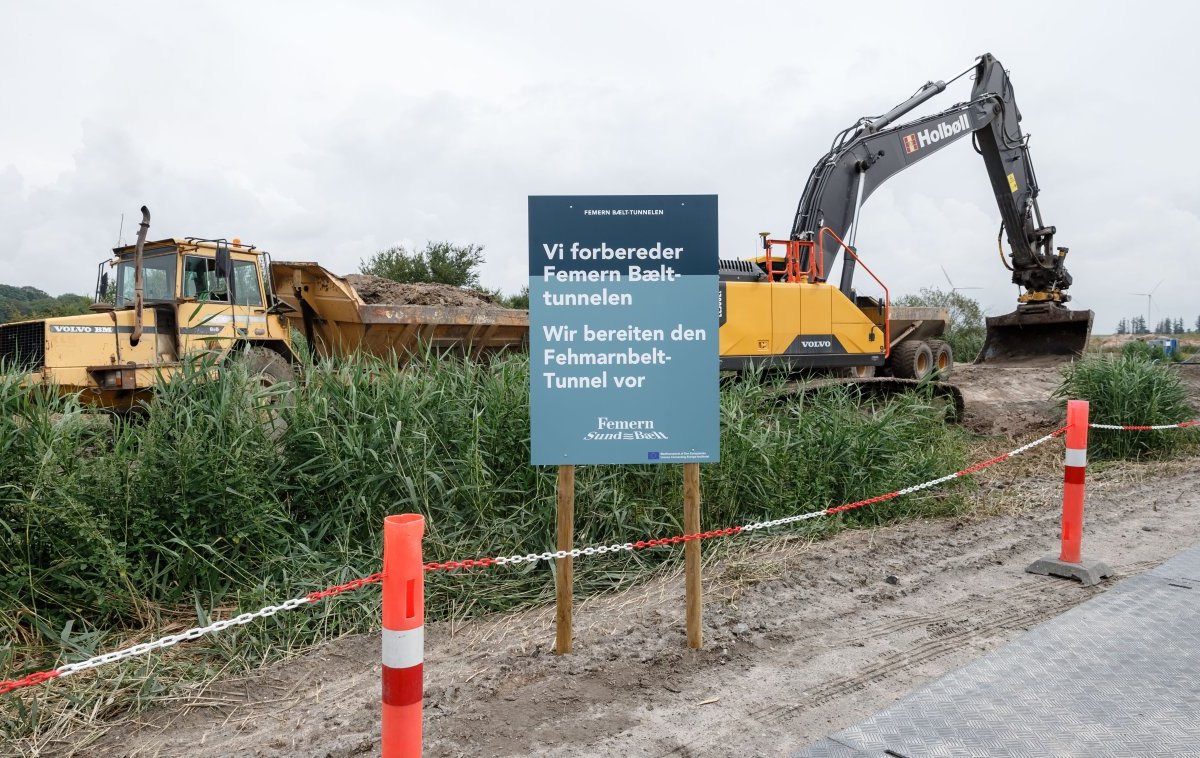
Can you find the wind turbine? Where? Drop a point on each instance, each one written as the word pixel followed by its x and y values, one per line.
pixel 954 290
pixel 1149 301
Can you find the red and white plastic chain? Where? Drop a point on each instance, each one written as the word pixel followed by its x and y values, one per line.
pixel 907 490
pixel 641 545
pixel 312 597
pixel 191 634
pixel 1144 427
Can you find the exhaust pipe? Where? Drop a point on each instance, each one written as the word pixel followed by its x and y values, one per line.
pixel 1041 334
pixel 138 278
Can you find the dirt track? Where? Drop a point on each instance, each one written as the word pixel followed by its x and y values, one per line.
pixel 800 640
pixel 1008 401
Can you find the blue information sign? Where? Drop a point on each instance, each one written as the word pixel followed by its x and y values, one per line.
pixel 623 329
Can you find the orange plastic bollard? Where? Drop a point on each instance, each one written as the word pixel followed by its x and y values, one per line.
pixel 403 635
pixel 1074 473
pixel 1070 564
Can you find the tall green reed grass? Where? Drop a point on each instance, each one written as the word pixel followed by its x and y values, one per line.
pixel 1130 389
pixel 199 508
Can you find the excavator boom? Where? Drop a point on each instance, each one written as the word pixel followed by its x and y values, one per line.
pixel 874 149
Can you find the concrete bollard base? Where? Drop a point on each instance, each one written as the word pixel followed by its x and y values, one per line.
pixel 1087 572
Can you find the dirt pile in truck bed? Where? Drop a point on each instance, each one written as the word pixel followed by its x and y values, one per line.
pixel 376 290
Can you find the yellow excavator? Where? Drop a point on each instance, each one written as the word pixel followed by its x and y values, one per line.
pixel 782 309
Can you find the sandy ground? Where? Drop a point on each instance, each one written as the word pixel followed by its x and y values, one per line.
pixel 1008 401
pixel 801 638
pixel 1013 402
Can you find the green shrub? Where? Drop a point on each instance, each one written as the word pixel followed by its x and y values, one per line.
pixel 1130 390
pixel 105 514
pixel 1144 351
pixel 440 262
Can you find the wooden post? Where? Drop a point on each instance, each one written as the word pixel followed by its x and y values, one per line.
pixel 691 552
pixel 563 579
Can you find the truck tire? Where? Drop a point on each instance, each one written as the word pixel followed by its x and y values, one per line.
pixel 943 358
pixel 271 371
pixel 857 372
pixel 267 366
pixel 911 359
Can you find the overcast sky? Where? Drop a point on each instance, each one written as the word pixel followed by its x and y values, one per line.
pixel 326 131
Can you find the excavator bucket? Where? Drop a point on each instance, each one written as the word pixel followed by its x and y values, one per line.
pixel 1036 335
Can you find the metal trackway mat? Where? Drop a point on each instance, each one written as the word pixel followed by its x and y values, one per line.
pixel 1116 676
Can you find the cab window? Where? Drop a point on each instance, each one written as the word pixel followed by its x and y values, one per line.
pixel 158 272
pixel 245 278
pixel 200 281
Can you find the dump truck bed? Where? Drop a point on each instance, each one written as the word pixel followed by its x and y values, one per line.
pixel 336 321
pixel 917 323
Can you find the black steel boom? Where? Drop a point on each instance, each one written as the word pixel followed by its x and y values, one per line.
pixel 873 150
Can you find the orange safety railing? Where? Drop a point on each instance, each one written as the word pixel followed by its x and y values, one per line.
pixel 792 270
pixel 887 301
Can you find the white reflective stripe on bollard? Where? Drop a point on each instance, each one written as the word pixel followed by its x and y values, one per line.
pixel 402 650
pixel 1076 457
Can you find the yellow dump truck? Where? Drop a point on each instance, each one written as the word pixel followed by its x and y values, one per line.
pixel 161 303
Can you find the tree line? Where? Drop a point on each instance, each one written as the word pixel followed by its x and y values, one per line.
pixel 437 262
pixel 23 303
pixel 1138 325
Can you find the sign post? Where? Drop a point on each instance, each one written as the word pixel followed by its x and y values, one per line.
pixel 564 574
pixel 691 553
pixel 623 346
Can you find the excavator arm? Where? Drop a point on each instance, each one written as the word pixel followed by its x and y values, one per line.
pixel 874 149
pixel 1036 264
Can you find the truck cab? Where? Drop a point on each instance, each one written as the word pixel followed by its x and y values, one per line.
pixel 200 298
